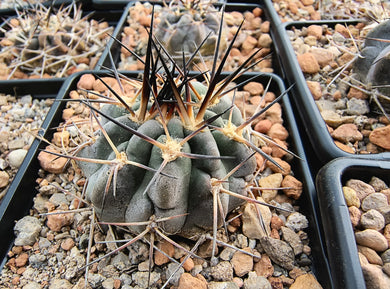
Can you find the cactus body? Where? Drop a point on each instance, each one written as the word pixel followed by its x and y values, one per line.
pixel 184 27
pixel 373 67
pixel 184 185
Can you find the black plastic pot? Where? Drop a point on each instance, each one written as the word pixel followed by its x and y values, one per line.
pixel 20 195
pixel 340 240
pixel 320 145
pixel 115 47
pixel 18 198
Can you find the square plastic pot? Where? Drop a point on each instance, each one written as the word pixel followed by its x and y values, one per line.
pixel 339 237
pixel 319 143
pixel 115 47
pixel 20 195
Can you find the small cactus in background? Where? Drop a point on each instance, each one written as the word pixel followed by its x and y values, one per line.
pixel 40 42
pixel 373 66
pixel 185 24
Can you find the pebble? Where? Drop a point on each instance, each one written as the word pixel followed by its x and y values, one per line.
pixel 351 197
pixel 27 231
pixel 315 89
pixel 292 239
pixel 251 226
pixel 271 181
pixel 264 266
pixel 372 219
pixel 55 222
pixel 306 281
pixel 374 201
pixel 279 252
pixel 295 187
pixel 223 285
pixel 381 137
pixel 372 239
pixel 308 63
pixel 361 188
pixel 51 163
pixel 223 271
pixel 242 263
pixel 4 179
pixel 347 133
pixel 16 157
pixel 256 282
pixel 188 281
pixel 297 221
pixel 371 255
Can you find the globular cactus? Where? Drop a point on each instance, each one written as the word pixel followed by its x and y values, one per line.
pixel 185 24
pixel 373 67
pixel 42 42
pixel 178 151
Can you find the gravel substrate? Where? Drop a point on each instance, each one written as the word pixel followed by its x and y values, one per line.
pixel 325 55
pixel 20 118
pixel 369 209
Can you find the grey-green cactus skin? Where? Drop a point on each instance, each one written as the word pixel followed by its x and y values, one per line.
pixel 184 186
pixel 184 28
pixel 373 67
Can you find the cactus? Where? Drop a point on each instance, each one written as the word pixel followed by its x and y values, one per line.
pixel 178 151
pixel 41 42
pixel 373 67
pixel 185 24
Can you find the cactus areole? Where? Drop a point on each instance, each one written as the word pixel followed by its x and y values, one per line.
pixel 178 150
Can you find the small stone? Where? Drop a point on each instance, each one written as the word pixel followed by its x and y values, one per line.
pixel 357 107
pixel 254 88
pixel 306 281
pixel 315 30
pixel 283 167
pixel 315 89
pixel 27 231
pixel 264 266
pixel 242 263
pixel 222 285
pixel 21 260
pixel 374 277
pixel 308 63
pixel 351 197
pixel 347 133
pixel 50 162
pixel 292 239
pixel 4 179
pixel 250 221
pixel 167 248
pixel 295 187
pixel 324 56
pixel 271 181
pixel 361 188
pixel 371 255
pixel 372 219
pixel 173 268
pixel 16 157
pixel 356 93
pixel 255 282
pixel 372 239
pixel 354 214
pixel 297 221
pixel 67 244
pixel 378 184
pixel 381 137
pixel 60 284
pixel 142 278
pixel 279 252
pixel 188 265
pixel 276 223
pixel 374 201
pixel 188 281
pixel 223 271
pixel 86 81
pixel 56 221
pixel 265 40
pixel 263 126
pixel 278 131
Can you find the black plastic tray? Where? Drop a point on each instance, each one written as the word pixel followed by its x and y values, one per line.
pixel 340 239
pixel 20 195
pixel 320 145
pixel 112 16
pixel 242 6
pixel 17 199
